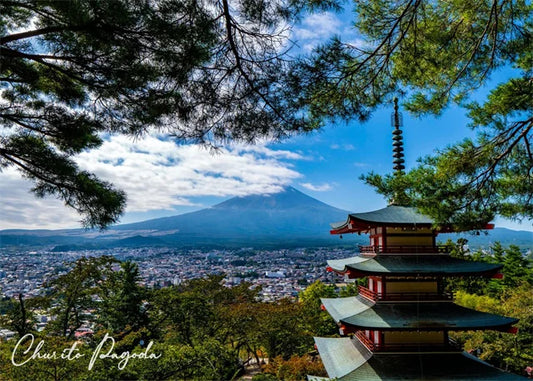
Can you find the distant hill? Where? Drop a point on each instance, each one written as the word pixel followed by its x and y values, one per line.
pixel 287 212
pixel 289 218
pixel 286 219
pixel 506 237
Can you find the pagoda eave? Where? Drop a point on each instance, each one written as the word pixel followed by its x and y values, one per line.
pixel 356 274
pixel 349 360
pixel 351 226
pixel 412 265
pixel 395 216
pixel 359 313
pixel 350 329
pixel 425 316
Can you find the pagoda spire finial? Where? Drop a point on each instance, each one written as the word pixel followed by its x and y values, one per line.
pixel 399 197
pixel 397 141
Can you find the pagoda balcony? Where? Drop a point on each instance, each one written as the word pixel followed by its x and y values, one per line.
pixel 403 296
pixel 450 346
pixel 406 249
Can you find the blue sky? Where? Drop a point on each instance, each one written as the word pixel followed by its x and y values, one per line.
pixel 162 178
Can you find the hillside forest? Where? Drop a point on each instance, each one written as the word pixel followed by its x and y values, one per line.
pixel 204 330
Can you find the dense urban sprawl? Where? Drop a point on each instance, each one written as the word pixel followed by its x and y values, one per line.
pixel 280 273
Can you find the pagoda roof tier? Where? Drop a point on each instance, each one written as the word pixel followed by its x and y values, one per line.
pixel 411 264
pixel 341 356
pixel 421 316
pixel 340 308
pixel 357 312
pixel 392 215
pixel 348 360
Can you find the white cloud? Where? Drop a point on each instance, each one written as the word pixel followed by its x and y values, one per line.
pixel 169 173
pixel 316 28
pixel 317 188
pixel 20 209
pixel 345 147
pixel 156 174
pixel 358 42
pixel 318 25
pixel 261 148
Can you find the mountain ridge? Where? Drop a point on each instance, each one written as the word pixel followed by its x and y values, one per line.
pixel 288 218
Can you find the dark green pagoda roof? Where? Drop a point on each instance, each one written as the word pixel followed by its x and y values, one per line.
pixel 340 308
pixel 348 360
pixel 341 356
pixel 425 316
pixel 394 214
pixel 428 265
pixel 391 215
pixel 452 366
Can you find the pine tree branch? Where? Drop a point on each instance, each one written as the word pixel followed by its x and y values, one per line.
pixel 40 32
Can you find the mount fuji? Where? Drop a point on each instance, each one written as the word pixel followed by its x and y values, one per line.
pixel 282 220
pixel 288 218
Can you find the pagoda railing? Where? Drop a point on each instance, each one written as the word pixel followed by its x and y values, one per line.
pixel 397 249
pixel 365 340
pixel 451 345
pixel 396 296
pixel 363 291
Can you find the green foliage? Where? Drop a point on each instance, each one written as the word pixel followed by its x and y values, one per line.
pixel 478 302
pixel 516 269
pixel 122 299
pixel 320 321
pixel 58 369
pixel 310 297
pixel 209 360
pixel 18 315
pixel 73 294
pixel 204 308
pixel 351 289
pixel 497 252
pixel 507 351
pixel 187 312
pixel 512 296
pixel 264 377
pixel 284 330
pixel 295 368
pixel 202 329
pixel 470 284
pixel 435 53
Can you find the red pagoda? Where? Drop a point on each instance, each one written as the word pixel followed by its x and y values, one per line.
pixel 398 327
